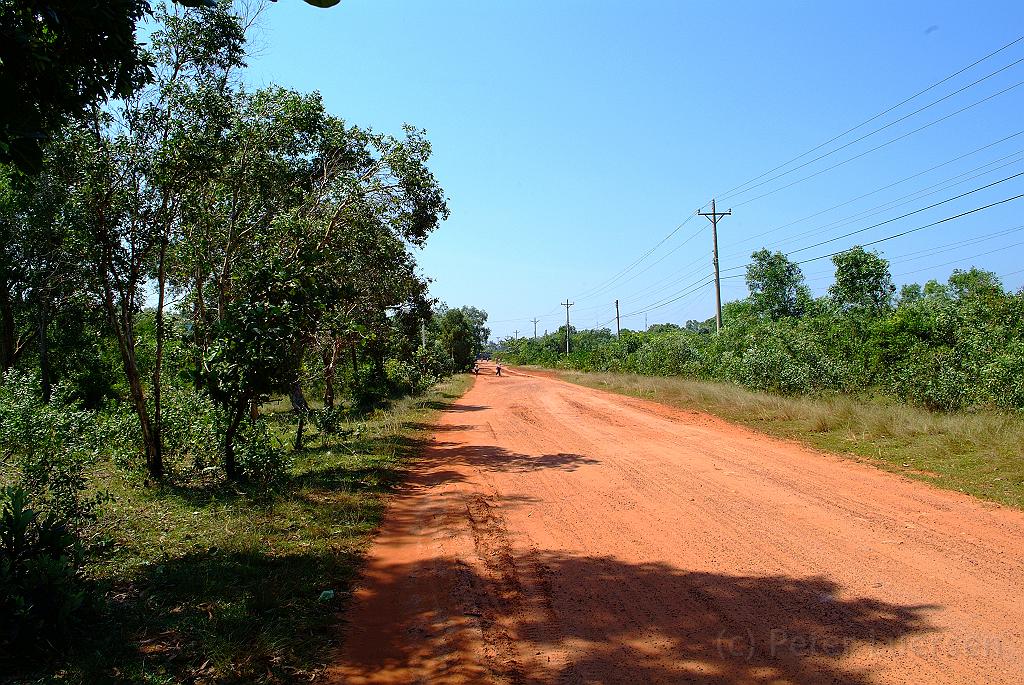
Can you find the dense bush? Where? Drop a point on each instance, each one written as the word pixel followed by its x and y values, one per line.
pixel 40 589
pixel 48 447
pixel 948 346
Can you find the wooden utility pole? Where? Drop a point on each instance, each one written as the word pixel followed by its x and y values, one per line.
pixel 535 329
pixel 713 217
pixel 618 328
pixel 567 304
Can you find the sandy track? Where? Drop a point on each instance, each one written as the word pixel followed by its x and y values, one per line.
pixel 553 533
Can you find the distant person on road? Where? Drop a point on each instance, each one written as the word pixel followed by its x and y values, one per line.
pixel 497 369
pixel 476 368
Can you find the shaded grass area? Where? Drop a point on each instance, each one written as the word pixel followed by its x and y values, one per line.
pixel 221 584
pixel 980 453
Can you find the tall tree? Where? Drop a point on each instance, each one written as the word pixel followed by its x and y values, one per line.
pixel 862 281
pixel 776 285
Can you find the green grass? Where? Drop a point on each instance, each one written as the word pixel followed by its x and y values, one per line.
pixel 220 584
pixel 979 453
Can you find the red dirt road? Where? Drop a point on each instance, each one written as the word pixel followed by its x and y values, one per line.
pixel 553 533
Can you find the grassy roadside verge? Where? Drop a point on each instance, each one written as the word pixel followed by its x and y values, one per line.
pixel 223 585
pixel 981 453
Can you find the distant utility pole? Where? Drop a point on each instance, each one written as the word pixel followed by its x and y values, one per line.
pixel 618 328
pixel 517 335
pixel 645 323
pixel 567 304
pixel 713 217
pixel 535 329
pixel 423 333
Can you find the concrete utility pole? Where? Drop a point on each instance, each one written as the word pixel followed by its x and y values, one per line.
pixel 713 217
pixel 567 304
pixel 423 333
pixel 535 329
pixel 618 328
pixel 517 335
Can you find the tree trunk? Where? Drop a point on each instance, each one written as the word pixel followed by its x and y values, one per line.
pixel 230 466
pixel 301 408
pixel 199 330
pixel 7 344
pixel 44 352
pixel 158 458
pixel 121 323
pixel 330 359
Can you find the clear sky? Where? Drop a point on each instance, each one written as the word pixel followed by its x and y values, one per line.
pixel 572 136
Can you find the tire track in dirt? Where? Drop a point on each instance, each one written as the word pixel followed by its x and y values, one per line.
pixel 563 534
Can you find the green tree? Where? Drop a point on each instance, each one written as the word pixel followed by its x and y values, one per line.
pixel 58 58
pixel 459 338
pixel 776 285
pixel 862 282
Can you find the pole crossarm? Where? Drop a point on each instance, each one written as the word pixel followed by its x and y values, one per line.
pixel 713 216
pixel 567 304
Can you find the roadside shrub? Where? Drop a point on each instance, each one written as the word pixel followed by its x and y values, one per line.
pixel 40 588
pixel 1003 377
pixel 404 378
pixel 260 461
pixel 50 446
pixel 190 434
pixel 769 365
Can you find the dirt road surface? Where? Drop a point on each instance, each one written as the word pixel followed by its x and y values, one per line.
pixel 554 533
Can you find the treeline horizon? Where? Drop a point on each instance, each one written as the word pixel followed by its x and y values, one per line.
pixel 953 345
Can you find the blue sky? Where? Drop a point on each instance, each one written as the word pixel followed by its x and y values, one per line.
pixel 571 137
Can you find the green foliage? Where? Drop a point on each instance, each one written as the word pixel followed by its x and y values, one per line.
pixel 191 429
pixel 57 57
pixel 952 346
pixel 260 460
pixel 40 591
pixel 862 281
pixel 776 285
pixel 48 447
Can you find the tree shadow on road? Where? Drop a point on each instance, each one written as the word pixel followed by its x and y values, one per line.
pixel 564 618
pixel 494 458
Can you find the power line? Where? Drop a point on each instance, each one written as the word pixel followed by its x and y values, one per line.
pixel 877 130
pixel 903 216
pixel 591 292
pixel 662 258
pixel 879 147
pixel 954 217
pixel 885 187
pixel 936 249
pixel 944 185
pixel 877 116
pixel 914 230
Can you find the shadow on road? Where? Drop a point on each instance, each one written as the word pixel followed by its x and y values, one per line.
pixel 605 620
pixel 493 458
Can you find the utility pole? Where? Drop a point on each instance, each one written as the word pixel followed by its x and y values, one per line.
pixel 645 322
pixel 517 335
pixel 535 329
pixel 618 328
pixel 423 333
pixel 713 217
pixel 567 304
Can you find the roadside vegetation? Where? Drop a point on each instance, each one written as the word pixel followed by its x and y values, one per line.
pixel 216 351
pixel 201 580
pixel 928 381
